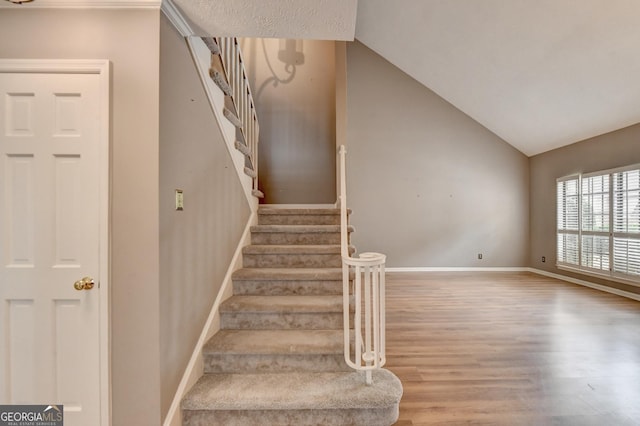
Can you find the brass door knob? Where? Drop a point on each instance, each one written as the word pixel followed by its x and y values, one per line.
pixel 86 283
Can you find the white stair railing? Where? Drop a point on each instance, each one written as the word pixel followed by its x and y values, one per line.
pixel 368 298
pixel 239 92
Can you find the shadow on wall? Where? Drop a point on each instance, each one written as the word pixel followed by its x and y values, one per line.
pixel 294 87
pixel 291 54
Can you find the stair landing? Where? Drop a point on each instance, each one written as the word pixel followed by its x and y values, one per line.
pixel 293 399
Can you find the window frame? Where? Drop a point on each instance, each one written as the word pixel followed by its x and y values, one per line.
pixel 579 267
pixel 566 231
pixel 592 233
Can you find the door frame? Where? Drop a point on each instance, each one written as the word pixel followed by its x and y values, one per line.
pixel 101 68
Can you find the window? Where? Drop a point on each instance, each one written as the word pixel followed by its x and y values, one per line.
pixel 626 222
pixel 568 221
pixel 594 223
pixel 598 223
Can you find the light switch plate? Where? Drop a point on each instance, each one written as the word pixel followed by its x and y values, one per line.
pixel 179 200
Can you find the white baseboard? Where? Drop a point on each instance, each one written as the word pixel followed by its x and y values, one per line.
pixel 586 284
pixel 195 367
pixel 457 269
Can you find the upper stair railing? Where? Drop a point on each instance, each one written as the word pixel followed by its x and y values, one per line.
pixel 368 301
pixel 229 73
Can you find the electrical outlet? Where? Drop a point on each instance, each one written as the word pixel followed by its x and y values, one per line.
pixel 544 259
pixel 480 256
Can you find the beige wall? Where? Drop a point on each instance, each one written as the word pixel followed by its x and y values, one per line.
pixel 295 100
pixel 196 245
pixel 428 185
pixel 341 103
pixel 615 149
pixel 130 40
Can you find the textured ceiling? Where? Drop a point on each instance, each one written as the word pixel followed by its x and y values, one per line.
pixel 539 73
pixel 311 19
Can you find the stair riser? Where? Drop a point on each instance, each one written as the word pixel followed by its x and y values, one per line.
pixel 287 288
pixel 292 260
pixel 278 321
pixel 295 238
pixel 273 363
pixel 381 416
pixel 293 219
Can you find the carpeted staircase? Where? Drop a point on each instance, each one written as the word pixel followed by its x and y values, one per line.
pixel 278 358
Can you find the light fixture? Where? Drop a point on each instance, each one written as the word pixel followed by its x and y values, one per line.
pixel 19 1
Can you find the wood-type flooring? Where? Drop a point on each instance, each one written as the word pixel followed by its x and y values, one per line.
pixel 502 348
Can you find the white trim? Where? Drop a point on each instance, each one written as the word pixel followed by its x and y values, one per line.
pixel 105 244
pixel 587 284
pixel 194 368
pixel 568 178
pixel 458 269
pixel 53 66
pixel 612 171
pixel 175 17
pixel 84 4
pixel 102 69
pixel 595 274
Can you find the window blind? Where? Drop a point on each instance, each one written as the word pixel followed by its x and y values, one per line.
pixel 568 214
pixel 594 226
pixel 626 222
pixel 598 222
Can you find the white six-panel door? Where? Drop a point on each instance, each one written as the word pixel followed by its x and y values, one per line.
pixel 50 213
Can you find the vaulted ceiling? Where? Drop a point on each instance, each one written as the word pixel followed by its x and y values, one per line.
pixel 538 73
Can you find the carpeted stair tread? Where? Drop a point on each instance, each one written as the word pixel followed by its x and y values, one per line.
pixel 298 229
pixel 275 216
pixel 276 249
pixel 296 234
pixel 282 304
pixel 288 281
pixel 300 212
pixel 293 391
pixel 292 256
pixel 288 274
pixel 275 342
